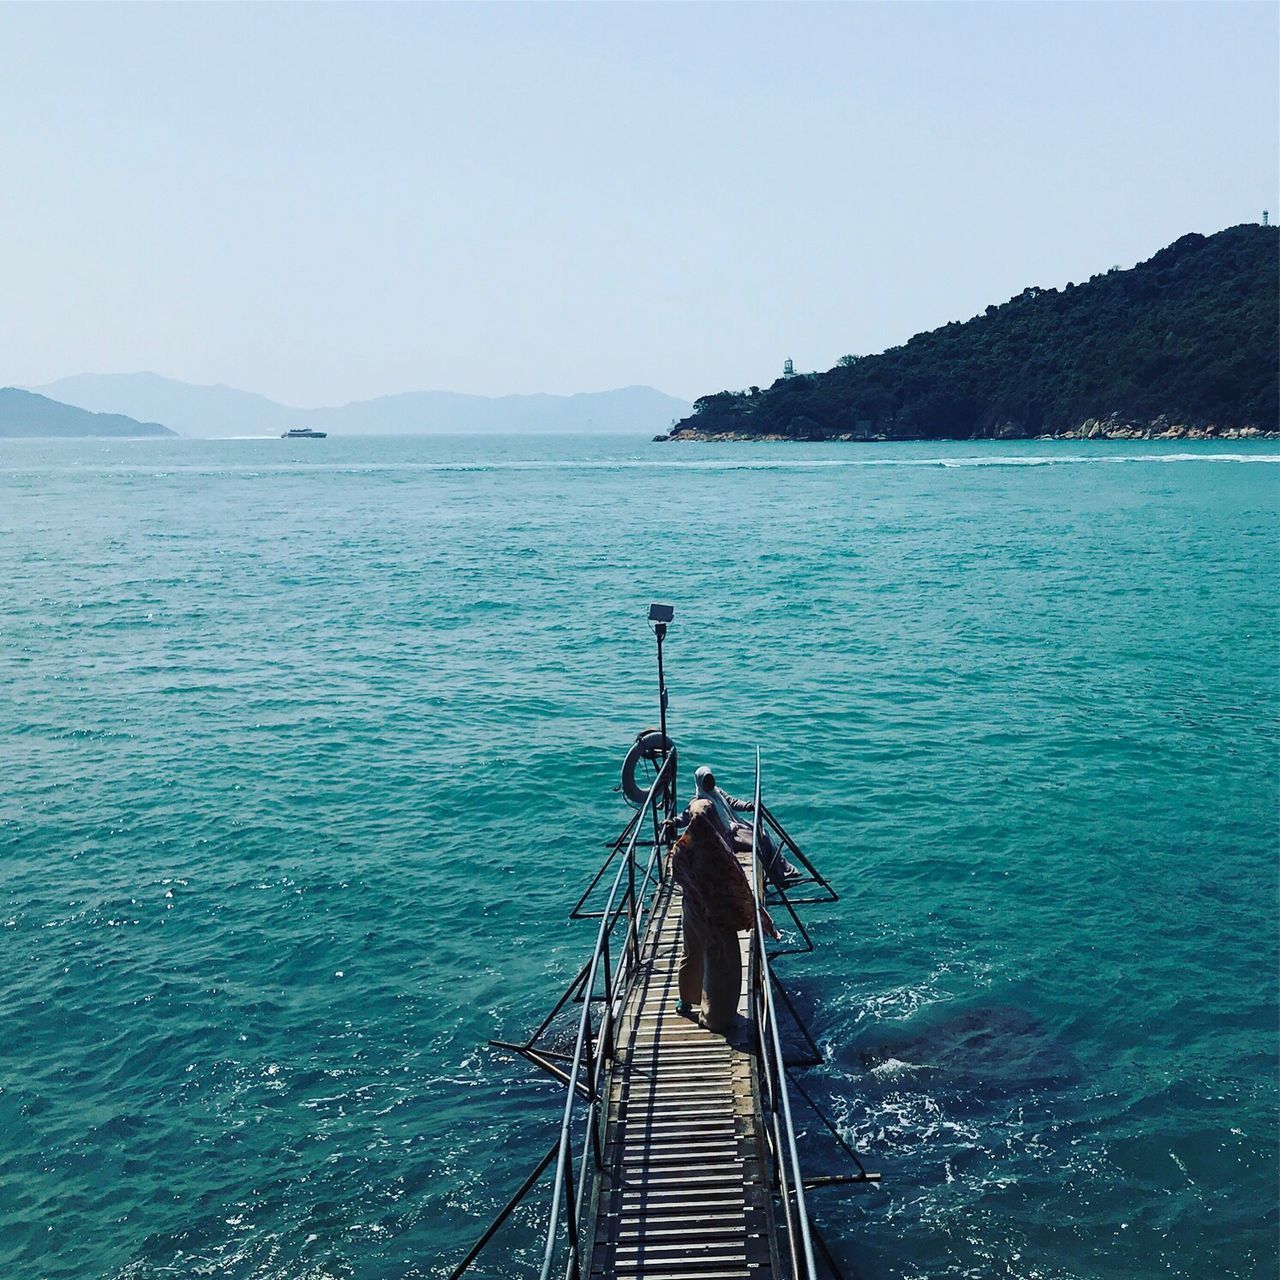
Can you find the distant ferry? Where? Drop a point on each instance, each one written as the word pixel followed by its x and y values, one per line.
pixel 303 433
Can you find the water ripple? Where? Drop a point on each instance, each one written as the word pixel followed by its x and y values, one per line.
pixel 305 757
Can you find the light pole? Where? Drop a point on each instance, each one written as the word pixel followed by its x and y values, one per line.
pixel 659 616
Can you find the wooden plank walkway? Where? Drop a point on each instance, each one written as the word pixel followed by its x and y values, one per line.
pixel 685 1193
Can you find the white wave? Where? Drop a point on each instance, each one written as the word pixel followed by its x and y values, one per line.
pixel 634 464
pixel 894 1068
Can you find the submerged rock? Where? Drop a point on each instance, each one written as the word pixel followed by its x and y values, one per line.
pixel 1001 1047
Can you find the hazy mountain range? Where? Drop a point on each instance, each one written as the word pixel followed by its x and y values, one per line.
pixel 25 414
pixel 225 411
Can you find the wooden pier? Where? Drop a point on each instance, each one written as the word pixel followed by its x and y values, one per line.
pixel 676 1157
pixel 684 1192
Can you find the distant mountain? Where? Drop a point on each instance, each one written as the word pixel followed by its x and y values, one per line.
pixel 25 414
pixel 626 410
pixel 190 410
pixel 225 411
pixel 1183 344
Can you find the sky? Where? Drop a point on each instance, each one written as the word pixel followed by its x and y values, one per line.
pixel 325 203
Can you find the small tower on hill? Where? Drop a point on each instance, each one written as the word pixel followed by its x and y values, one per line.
pixel 788 368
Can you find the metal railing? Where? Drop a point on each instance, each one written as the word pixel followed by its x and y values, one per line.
pixel 773 1080
pixel 602 986
pixel 593 1048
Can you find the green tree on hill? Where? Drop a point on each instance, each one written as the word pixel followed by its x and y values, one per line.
pixel 1191 335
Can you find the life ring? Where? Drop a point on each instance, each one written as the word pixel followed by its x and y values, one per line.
pixel 648 746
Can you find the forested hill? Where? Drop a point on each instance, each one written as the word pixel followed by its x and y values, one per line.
pixel 1183 344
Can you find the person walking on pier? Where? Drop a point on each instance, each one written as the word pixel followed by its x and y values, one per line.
pixel 718 903
pixel 723 807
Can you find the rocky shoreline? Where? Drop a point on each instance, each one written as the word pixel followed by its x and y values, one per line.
pixel 1111 428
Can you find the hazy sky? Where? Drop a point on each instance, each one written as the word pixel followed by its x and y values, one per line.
pixel 324 203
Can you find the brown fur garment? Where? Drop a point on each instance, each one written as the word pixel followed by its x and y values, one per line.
pixel 712 878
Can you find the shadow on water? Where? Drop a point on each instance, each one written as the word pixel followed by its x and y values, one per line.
pixel 947 1106
pixel 996 1049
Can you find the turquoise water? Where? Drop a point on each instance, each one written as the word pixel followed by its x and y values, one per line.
pixel 308 747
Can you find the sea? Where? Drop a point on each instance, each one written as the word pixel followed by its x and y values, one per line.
pixel 308 747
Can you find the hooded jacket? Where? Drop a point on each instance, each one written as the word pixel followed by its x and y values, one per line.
pixel 723 805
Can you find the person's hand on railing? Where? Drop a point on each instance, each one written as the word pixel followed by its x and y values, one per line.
pixel 766 923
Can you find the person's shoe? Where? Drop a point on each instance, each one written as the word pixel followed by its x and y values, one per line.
pixel 684 1009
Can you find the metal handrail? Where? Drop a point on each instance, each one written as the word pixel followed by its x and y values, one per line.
pixel 590 1051
pixel 773 1063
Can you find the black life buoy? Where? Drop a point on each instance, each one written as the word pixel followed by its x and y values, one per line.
pixel 648 747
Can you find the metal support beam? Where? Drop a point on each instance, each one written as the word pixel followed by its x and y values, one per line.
pixel 525 1187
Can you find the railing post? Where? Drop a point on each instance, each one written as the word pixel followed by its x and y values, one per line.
pixel 571 1224
pixel 606 1025
pixel 631 894
pixel 589 1049
pixel 597 1150
pixel 657 841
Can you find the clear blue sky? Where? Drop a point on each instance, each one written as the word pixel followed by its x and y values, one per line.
pixel 324 203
